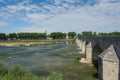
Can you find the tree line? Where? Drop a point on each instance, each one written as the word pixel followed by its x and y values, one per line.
pixel 100 34
pixel 55 35
pixel 15 36
pixel 41 36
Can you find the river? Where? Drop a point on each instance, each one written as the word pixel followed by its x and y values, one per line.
pixel 43 59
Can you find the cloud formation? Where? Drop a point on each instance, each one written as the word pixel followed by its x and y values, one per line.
pixel 3 23
pixel 63 15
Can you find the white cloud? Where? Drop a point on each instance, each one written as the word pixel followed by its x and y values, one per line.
pixel 102 16
pixel 72 1
pixel 76 22
pixel 3 23
pixel 37 18
pixel 80 22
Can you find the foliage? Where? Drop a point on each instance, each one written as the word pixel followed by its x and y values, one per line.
pixel 77 59
pixel 12 36
pixel 58 35
pixel 3 36
pixel 54 76
pixel 115 34
pixel 100 34
pixel 32 35
pixel 15 73
pixel 71 34
pixel 79 35
pixel 18 73
pixel 55 35
pixel 74 41
pixel 87 33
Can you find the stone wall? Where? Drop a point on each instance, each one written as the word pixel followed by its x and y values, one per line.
pixel 110 71
pixel 89 52
pixel 83 47
pixel 108 49
pixel 103 42
pixel 109 65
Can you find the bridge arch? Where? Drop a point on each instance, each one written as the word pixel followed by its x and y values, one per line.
pixel 97 50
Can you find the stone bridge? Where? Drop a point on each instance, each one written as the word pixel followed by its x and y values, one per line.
pixel 104 53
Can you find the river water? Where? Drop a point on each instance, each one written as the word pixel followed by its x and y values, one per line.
pixel 43 59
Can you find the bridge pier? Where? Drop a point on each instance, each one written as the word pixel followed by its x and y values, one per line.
pixel 109 65
pixel 89 52
pixel 79 43
pixel 106 60
pixel 83 47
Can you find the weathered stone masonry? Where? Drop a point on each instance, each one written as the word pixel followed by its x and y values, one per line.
pixel 106 52
pixel 109 65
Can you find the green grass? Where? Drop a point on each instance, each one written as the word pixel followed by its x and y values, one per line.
pixel 18 73
pixel 54 76
pixel 15 73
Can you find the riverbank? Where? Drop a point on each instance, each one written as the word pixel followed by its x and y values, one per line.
pixel 30 42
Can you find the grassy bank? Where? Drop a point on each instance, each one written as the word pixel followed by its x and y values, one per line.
pixel 18 73
pixel 30 42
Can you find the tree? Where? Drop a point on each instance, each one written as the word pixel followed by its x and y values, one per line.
pixel 94 34
pixel 79 35
pixel 71 34
pixel 87 34
pixel 58 35
pixel 32 35
pixel 12 36
pixel 42 35
pixel 3 36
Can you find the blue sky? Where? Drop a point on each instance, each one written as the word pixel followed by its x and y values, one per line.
pixel 59 15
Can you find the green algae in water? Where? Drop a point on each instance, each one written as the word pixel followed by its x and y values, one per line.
pixel 41 61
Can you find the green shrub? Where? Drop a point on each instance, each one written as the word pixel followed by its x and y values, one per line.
pixel 18 73
pixel 54 76
pixel 77 59
pixel 74 41
pixel 15 73
pixel 3 69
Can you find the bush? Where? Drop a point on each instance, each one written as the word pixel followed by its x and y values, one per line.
pixel 74 41
pixel 77 59
pixel 3 69
pixel 15 73
pixel 54 76
pixel 18 73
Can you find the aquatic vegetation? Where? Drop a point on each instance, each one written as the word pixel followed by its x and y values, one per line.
pixel 74 41
pixel 43 60
pixel 77 59
pixel 18 73
pixel 54 76
pixel 15 73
